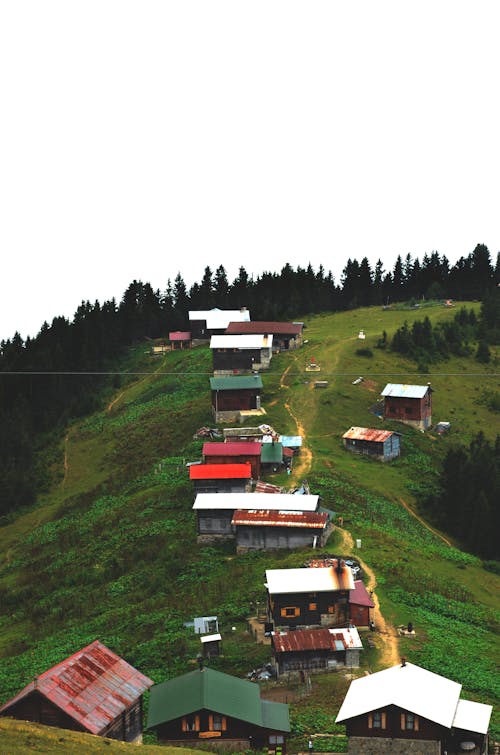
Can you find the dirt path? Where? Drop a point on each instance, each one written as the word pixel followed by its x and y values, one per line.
pixel 65 462
pixel 111 405
pixel 389 650
pixel 302 464
pixel 424 523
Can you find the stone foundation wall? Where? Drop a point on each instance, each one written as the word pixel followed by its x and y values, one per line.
pixel 385 746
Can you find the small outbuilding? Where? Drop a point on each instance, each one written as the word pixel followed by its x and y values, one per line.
pixel 360 605
pixel 206 706
pixel 382 445
pixel 180 339
pixel 271 457
pixel 233 453
pixel 221 478
pixel 234 394
pixel 93 691
pixel 211 645
pixel 316 649
pixel 411 404
pixel 270 530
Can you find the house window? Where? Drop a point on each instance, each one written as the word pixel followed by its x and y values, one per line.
pixel 377 720
pixel 216 722
pixel 191 723
pixel 409 722
pixel 313 606
pixel 276 739
pixel 331 609
pixel 290 612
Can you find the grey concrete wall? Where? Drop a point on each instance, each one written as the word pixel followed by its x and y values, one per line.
pixel 385 746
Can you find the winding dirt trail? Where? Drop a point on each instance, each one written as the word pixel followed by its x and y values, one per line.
pixel 423 522
pixel 112 403
pixel 303 463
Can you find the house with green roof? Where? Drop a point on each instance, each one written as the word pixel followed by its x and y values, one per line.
pixel 233 394
pixel 206 705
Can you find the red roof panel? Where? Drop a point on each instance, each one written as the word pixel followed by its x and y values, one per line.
pixel 263 326
pixel 92 686
pixel 240 448
pixel 359 596
pixel 305 639
pixel 179 335
pixel 366 433
pixel 266 518
pixel 220 471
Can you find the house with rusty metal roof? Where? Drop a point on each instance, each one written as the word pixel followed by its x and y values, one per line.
pixel 406 708
pixel 264 529
pixel 221 478
pixel 207 706
pixel 206 323
pixel 315 649
pixel 382 445
pixel 286 335
pixel 93 691
pixel 233 453
pixel 309 597
pixel 411 404
pixel 180 339
pixel 247 353
pixel 234 396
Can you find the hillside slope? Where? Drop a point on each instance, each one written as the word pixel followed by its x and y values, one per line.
pixel 111 552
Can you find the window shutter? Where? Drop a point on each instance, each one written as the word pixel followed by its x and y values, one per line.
pixel 370 721
pixel 383 719
pixel 196 723
pixel 210 722
pixel 415 724
pixel 184 724
pixel 224 723
pixel 297 612
pixel 403 721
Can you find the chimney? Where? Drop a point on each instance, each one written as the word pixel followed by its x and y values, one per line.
pixel 403 662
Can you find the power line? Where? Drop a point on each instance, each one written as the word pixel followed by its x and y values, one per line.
pixel 267 374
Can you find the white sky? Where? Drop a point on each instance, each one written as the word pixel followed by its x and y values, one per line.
pixel 138 139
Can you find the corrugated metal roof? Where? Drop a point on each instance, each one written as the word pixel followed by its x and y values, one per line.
pixel 472 716
pixel 232 448
pixel 271 453
pixel 291 441
pixel 359 596
pixel 259 341
pixel 250 432
pixel 266 518
pixel 410 687
pixel 220 471
pixel 180 335
pixel 317 639
pixel 235 382
pixel 366 433
pixel 217 319
pixel 255 501
pixel 267 487
pixel 319 579
pixel 264 326
pixel 92 686
pixel 400 390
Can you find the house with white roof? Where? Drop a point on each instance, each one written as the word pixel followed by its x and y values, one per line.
pixel 243 353
pixel 411 404
pixel 204 323
pixel 407 709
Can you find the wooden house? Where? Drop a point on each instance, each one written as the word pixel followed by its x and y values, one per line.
pixel 220 478
pixel 180 339
pixel 207 707
pixel 315 649
pixel 286 335
pixel 233 354
pixel 233 453
pixel 360 605
pixel 309 597
pixel 234 394
pixel 269 530
pixel 215 511
pixel 406 709
pixel 382 445
pixel 271 457
pixel 411 404
pixel 93 691
pixel 206 323
pixel 211 645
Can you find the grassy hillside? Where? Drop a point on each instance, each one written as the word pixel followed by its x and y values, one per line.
pixel 110 551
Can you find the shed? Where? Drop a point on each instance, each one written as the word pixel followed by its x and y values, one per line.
pixel 382 445
pixel 291 441
pixel 180 339
pixel 208 705
pixel 93 691
pixel 232 394
pixel 206 624
pixel 211 645
pixel 316 649
pixel 411 404
pixel 270 530
pixel 271 457
pixel 360 605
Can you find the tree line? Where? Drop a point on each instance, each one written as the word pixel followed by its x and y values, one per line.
pixel 33 405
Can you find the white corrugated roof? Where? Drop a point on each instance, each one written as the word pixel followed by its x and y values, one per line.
pixel 261 501
pixel 472 716
pixel 246 341
pixel 210 638
pixel 305 579
pixel 409 687
pixel 220 318
pixel 351 637
pixel 407 391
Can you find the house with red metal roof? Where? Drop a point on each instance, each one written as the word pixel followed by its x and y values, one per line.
pixel 315 649
pixel 233 453
pixel 221 478
pixel 382 445
pixel 180 339
pixel 286 335
pixel 93 691
pixel 258 529
pixel 411 404
pixel 360 605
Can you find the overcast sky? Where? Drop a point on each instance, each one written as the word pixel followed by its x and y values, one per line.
pixel 139 139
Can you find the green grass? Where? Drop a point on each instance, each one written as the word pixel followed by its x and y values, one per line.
pixel 110 549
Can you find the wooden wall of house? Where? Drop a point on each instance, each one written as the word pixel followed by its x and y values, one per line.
pixel 385 451
pixel 272 538
pixel 199 329
pixel 236 399
pixel 215 522
pixel 235 359
pixel 412 410
pixel 235 729
pixel 360 726
pixel 359 615
pixel 254 462
pixel 302 609
pixel 220 486
pixel 128 725
pixel 35 707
